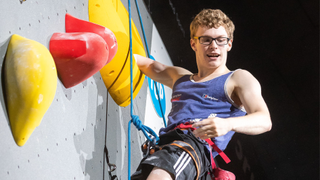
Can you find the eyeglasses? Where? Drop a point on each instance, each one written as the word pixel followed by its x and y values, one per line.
pixel 208 40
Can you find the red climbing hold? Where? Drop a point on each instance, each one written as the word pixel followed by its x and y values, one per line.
pixel 77 25
pixel 78 56
pixel 221 174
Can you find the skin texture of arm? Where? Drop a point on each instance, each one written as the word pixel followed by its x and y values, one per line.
pixel 247 89
pixel 166 75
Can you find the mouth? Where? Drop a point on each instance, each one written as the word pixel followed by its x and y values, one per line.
pixel 213 55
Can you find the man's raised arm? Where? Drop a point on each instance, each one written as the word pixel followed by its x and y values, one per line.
pixel 166 75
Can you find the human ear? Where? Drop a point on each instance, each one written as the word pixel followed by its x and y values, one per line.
pixel 193 44
pixel 230 45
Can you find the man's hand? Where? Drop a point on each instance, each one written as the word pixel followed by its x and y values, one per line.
pixel 211 127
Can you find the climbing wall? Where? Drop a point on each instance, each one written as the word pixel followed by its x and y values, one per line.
pixel 84 132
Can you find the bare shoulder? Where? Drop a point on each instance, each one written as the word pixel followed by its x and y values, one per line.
pixel 179 71
pixel 240 73
pixel 248 90
pixel 243 78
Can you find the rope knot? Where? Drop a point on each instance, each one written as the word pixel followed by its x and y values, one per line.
pixel 136 121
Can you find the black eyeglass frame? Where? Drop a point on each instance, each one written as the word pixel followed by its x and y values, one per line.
pixel 215 39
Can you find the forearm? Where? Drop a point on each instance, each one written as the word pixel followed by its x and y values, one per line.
pixel 153 69
pixel 251 124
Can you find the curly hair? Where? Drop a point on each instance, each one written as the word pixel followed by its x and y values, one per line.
pixel 212 18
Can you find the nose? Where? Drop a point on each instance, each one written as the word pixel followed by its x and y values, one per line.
pixel 213 44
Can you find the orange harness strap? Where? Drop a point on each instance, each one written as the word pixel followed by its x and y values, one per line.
pixel 189 149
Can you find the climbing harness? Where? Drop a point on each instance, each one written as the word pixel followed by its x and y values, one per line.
pixel 188 125
pixel 217 173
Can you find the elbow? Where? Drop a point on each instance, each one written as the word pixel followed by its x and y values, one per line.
pixel 265 124
pixel 268 125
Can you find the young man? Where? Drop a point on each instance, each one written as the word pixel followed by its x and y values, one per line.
pixel 216 101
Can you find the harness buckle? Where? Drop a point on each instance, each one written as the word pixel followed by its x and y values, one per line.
pixel 149 147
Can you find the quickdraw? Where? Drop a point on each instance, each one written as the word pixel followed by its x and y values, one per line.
pixel 111 167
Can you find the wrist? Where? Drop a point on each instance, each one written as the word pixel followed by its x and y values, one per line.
pixel 231 124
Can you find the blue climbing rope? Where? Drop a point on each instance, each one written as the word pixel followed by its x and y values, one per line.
pixel 151 57
pixel 134 118
pixel 142 27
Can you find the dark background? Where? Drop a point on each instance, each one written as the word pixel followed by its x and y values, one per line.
pixel 278 42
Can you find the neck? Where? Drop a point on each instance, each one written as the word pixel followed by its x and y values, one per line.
pixel 204 72
pixel 207 74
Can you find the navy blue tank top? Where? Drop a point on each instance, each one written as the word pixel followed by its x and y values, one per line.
pixel 200 100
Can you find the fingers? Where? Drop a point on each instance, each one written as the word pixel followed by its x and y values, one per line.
pixel 204 133
pixel 201 123
pixel 205 129
pixel 204 136
pixel 202 129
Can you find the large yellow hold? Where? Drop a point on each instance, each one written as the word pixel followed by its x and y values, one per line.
pixel 30 78
pixel 116 75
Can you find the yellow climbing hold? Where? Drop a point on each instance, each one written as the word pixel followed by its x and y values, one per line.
pixel 30 81
pixel 116 75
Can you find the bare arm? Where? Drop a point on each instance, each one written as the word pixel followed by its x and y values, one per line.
pixel 257 120
pixel 159 72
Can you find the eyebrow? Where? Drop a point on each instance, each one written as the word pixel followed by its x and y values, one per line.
pixel 214 37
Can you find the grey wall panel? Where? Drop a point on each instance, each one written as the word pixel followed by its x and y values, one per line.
pixel 38 20
pixel 69 142
pixel 117 134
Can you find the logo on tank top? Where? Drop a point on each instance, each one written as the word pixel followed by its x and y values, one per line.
pixel 212 115
pixel 176 97
pixel 206 96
